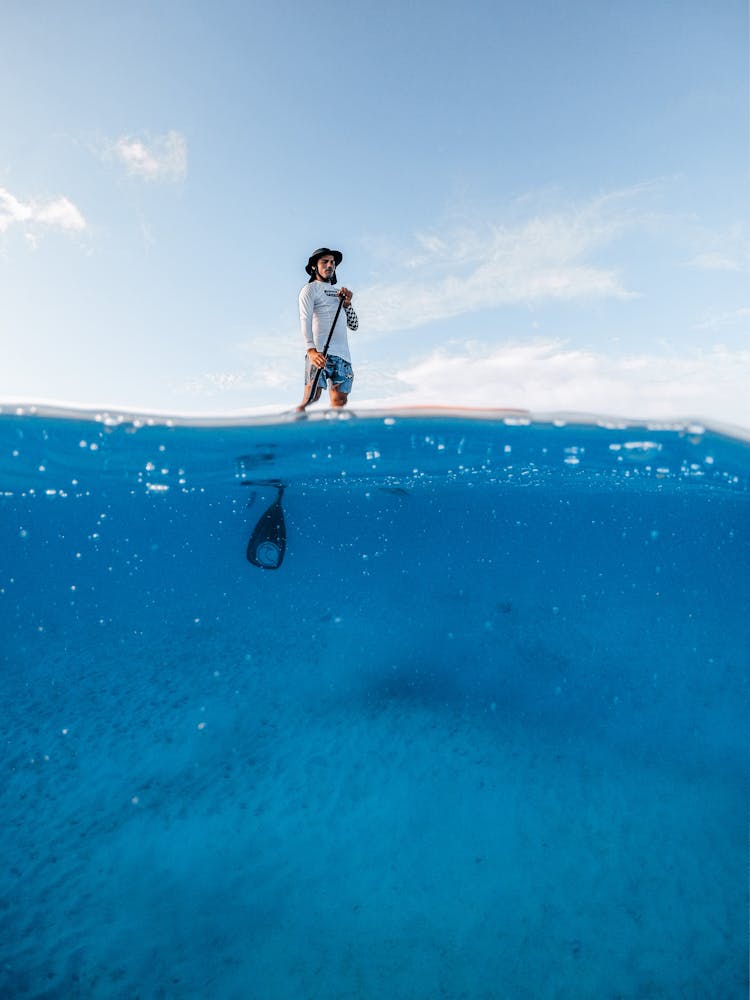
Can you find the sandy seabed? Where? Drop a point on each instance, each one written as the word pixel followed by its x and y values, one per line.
pixel 187 815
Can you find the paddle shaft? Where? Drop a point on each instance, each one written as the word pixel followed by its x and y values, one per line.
pixel 324 352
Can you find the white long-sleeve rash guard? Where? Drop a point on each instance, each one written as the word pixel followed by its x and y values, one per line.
pixel 318 302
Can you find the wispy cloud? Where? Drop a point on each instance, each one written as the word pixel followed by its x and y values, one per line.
pixel 722 320
pixel 275 364
pixel 215 383
pixel 715 260
pixel 56 213
pixel 548 375
pixel 446 274
pixel 158 158
pixel 724 251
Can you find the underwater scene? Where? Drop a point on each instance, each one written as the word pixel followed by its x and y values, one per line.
pixel 386 705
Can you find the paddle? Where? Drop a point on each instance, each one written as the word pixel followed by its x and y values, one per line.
pixel 316 378
pixel 268 541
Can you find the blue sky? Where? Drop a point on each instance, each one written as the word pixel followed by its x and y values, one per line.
pixel 540 205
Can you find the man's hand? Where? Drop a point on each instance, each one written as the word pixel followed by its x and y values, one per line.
pixel 346 295
pixel 316 358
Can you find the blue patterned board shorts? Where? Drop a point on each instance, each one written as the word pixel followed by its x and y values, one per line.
pixel 340 373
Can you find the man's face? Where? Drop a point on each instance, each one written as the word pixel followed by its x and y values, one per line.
pixel 325 267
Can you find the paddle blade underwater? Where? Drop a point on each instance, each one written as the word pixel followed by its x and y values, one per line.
pixel 268 541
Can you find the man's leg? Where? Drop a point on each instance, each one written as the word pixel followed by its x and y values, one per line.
pixel 338 398
pixel 339 390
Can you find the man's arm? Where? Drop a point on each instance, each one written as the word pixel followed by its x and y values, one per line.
pixel 306 309
pixel 351 318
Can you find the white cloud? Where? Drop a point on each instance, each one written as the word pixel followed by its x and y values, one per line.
pixel 57 213
pixel 549 375
pixel 542 376
pixel 491 265
pixel 158 158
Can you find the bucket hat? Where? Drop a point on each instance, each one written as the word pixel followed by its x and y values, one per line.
pixel 321 252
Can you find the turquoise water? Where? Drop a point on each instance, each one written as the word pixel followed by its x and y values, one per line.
pixel 479 730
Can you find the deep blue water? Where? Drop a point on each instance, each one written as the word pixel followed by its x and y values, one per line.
pixel 483 733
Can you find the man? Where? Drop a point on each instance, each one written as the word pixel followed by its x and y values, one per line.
pixel 318 302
